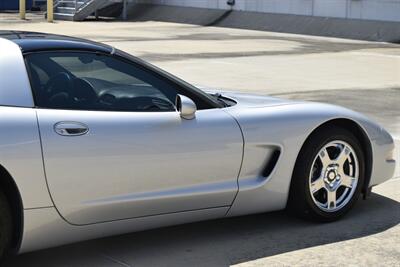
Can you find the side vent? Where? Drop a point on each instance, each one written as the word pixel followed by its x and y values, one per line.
pixel 271 163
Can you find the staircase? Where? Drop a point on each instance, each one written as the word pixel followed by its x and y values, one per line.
pixel 78 10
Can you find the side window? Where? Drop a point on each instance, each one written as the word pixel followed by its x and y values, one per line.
pixel 89 81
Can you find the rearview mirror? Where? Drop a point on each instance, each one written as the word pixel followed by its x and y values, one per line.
pixel 186 107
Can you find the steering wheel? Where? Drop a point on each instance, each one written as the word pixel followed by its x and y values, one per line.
pixel 56 92
pixel 59 83
pixel 83 92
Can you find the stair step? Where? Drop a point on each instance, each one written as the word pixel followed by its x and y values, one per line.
pixel 61 16
pixel 66 3
pixel 71 1
pixel 65 10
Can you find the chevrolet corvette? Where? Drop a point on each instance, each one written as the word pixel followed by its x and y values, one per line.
pixel 96 142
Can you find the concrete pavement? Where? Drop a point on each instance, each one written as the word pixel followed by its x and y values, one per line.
pixel 364 76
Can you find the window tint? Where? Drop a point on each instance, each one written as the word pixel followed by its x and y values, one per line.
pixel 89 81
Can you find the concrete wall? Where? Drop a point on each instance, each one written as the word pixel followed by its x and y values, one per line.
pixel 385 10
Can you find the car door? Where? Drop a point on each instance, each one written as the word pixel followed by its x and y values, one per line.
pixel 114 147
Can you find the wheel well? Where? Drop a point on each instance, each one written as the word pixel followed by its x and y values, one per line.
pixel 362 138
pixel 10 189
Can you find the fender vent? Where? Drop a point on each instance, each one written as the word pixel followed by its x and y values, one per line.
pixel 269 167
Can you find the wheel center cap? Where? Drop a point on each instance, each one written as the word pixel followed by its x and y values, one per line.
pixel 331 176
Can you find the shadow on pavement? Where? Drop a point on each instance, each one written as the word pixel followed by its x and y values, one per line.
pixel 305 46
pixel 220 242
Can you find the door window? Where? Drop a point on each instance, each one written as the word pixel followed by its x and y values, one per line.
pixel 91 81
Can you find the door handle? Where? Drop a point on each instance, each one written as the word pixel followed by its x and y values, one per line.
pixel 71 128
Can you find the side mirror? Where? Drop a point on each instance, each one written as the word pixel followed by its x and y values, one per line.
pixel 186 107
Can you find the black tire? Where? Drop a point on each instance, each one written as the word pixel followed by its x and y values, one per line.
pixel 300 200
pixel 6 228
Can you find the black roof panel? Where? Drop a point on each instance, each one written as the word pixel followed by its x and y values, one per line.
pixel 35 41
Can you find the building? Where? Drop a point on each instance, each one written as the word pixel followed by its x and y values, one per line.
pixel 383 10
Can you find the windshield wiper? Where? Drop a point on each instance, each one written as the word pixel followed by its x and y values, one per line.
pixel 220 98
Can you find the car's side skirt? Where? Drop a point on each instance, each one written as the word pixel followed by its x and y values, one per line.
pixel 44 228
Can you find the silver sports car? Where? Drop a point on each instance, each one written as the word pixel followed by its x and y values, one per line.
pixel 96 142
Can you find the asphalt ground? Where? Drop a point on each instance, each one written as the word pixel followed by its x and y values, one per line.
pixel 364 76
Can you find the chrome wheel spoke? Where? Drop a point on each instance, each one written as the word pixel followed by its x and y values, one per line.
pixel 331 199
pixel 324 157
pixel 343 156
pixel 317 185
pixel 347 181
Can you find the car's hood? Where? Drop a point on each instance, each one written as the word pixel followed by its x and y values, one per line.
pixel 243 100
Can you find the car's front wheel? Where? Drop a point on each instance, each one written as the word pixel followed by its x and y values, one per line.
pixel 328 175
